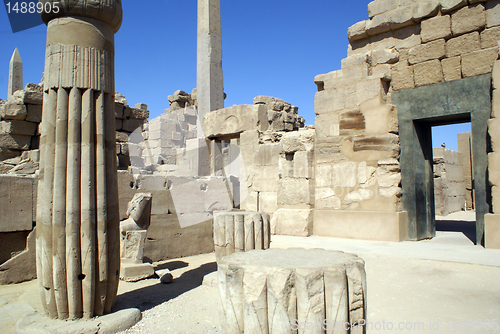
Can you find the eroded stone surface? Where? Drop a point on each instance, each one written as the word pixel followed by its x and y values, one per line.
pixel 290 286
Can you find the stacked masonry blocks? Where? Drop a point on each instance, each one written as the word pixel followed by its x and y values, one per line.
pixel 433 41
pixel 129 125
pixel 280 179
pixel 19 119
pixel 404 44
pixel 171 144
pixel 492 222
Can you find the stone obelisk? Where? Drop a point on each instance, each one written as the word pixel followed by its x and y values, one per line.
pixel 209 83
pixel 15 73
pixel 78 245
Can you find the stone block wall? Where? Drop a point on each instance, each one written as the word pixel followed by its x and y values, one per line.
pixel 20 116
pixel 280 178
pixel 449 182
pixel 423 42
pixel 128 120
pixel 494 132
pixel 403 45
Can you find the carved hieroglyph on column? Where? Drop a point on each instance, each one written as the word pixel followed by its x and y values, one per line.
pixel 78 242
pixel 292 291
pixel 241 231
pixel 209 80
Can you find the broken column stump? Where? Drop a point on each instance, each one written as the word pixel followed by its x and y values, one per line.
pixel 240 231
pixel 292 290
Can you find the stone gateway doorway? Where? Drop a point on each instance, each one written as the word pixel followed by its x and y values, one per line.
pixel 418 110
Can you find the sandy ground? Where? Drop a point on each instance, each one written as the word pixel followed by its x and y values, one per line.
pixel 445 285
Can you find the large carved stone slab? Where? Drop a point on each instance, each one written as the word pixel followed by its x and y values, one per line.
pixel 235 120
pixel 292 291
pixel 240 231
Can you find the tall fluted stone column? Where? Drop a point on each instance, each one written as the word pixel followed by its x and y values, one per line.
pixel 78 242
pixel 15 73
pixel 209 81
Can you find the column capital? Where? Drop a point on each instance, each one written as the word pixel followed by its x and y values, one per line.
pixel 107 11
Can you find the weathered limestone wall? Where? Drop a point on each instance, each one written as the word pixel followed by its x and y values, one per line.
pixel 21 115
pixel 19 119
pixel 449 182
pixel 403 45
pixel 275 171
pixel 423 42
pixel 492 222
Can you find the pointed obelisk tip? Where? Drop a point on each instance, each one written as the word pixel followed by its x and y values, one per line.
pixel 16 57
pixel 15 73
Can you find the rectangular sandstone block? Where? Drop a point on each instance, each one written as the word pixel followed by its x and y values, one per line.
pixel 436 28
pixel 379 24
pixel 449 5
pixel 327 124
pixel 428 73
pixel 235 119
pixel 479 62
pixel 424 8
pixel 494 168
pixel 463 44
pixel 492 231
pixel 16 196
pixel 402 76
pixel 495 199
pixel 406 38
pixel 303 164
pixel 452 68
pixel 381 6
pixel 327 80
pixel 295 222
pixel 494 132
pixel 401 17
pixel 366 225
pixel 427 51
pixel 329 100
pixel 354 60
pixel 492 13
pixel 15 142
pixel 268 202
pixel 368 89
pixel 293 191
pixel 495 108
pixel 357 31
pixel 34 113
pixel 490 37
pixel 14 111
pixel 18 127
pixel 467 19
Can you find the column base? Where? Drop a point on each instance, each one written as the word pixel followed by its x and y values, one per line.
pixel 365 225
pixel 492 231
pixel 38 323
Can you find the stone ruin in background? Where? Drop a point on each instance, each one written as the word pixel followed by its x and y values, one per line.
pixel 344 177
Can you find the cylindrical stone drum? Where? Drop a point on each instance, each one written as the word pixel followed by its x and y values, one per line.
pixel 240 231
pixel 292 291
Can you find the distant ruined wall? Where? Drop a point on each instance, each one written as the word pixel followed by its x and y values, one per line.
pixel 449 182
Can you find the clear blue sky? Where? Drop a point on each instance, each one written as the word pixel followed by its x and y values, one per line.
pixel 270 47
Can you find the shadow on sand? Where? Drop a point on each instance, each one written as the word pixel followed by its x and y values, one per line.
pixel 150 296
pixel 468 228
